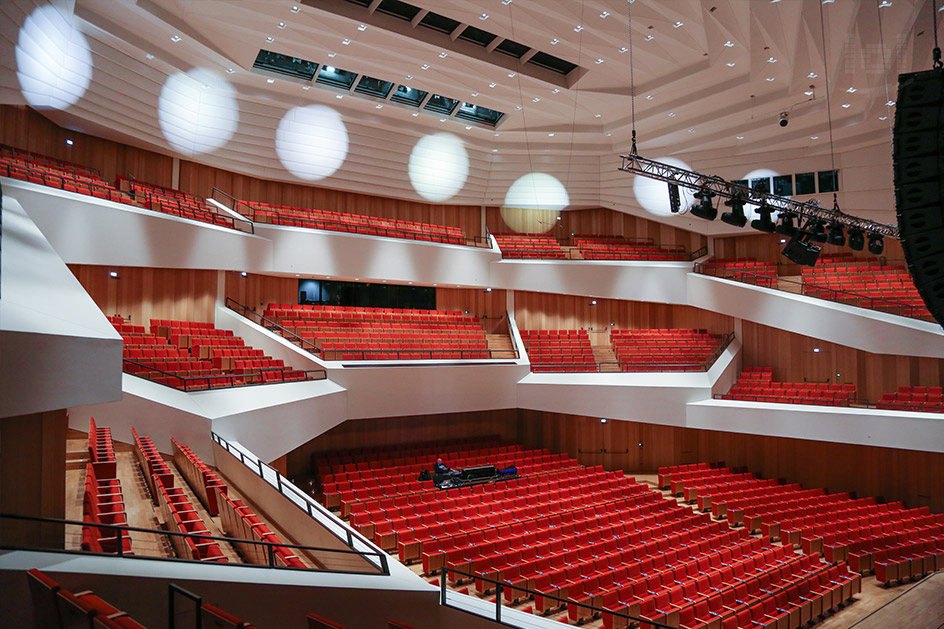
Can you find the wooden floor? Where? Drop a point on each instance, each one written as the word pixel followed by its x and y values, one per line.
pixel 867 608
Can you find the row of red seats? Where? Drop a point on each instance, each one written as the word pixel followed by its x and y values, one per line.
pixel 239 521
pixel 617 248
pixel 529 246
pixel 757 386
pixel 558 350
pixel 174 202
pixel 913 559
pixel 356 460
pixel 156 471
pixel 57 608
pixel 200 477
pixel 102 503
pixel 101 450
pixel 179 516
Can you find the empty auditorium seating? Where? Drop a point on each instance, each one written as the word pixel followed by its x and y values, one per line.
pixel 355 333
pixel 239 521
pixel 193 355
pixel 353 223
pixel 101 450
pixel 756 384
pixel 922 399
pixel 57 174
pixel 318 622
pixel 619 248
pixel 666 349
pixel 54 606
pixel 103 503
pixel 200 477
pixel 559 350
pixel 748 270
pixel 175 203
pixel 214 617
pixel 539 246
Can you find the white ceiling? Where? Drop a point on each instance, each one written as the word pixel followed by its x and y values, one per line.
pixel 685 70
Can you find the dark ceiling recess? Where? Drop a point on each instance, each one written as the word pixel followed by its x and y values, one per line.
pixel 396 8
pixel 440 23
pixel 285 65
pixel 552 63
pixel 513 48
pixel 477 36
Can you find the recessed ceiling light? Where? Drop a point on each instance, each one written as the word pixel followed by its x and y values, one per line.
pixel 362 27
pixel 175 38
pixel 518 107
pixel 443 55
pixel 771 60
pixel 484 16
pixel 511 75
pixel 496 134
pixel 555 41
pixel 811 75
pixel 890 103
pixel 494 150
pixel 816 349
pixel 113 274
pixel 306 87
pixel 379 106
pixel 828 1
pixel 346 41
pixel 270 39
pixel 770 78
pixel 648 96
pixel 229 70
pixel 608 134
pixel 149 56
pixel 295 9
pixel 578 28
pixel 678 24
pixel 332 55
pixel 442 120
pixel 506 2
pixel 492 84
pixel 69 142
pixel 599 61
pixel 730 64
pixel 671 114
pixel 555 91
pixel 650 37
pixel 623 49
pixel 409 77
pixel 739 137
pixel 846 105
pixel 605 14
pixel 691 130
pixel 774 1
pixel 339 96
pixel 883 117
pixel 597 115
pixel 550 135
pixel 468 128
pixel 425 66
pixel 535 100
pixel 814 137
pixel 808 92
pixel 415 114
pixel 281 24
pixel 270 80
pixel 729 44
pixel 851 90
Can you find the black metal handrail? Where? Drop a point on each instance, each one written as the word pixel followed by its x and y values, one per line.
pixel 153 192
pixel 814 290
pixel 122 531
pixel 272 326
pixel 283 485
pixel 202 383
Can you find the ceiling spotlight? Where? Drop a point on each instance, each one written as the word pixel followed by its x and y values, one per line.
pixel 623 49
pixel 817 231
pixel 443 54
pixel 175 38
pixel 295 9
pixel 556 90
pixel 836 235
pixel 535 100
pixel 281 24
pixel 605 14
pixel 578 28
pixel 703 209
pixel 230 70
pixel 332 55
pixel 846 105
pixel 270 80
pixel 484 16
pixel 148 56
pixel 735 217
pixel 593 302
pixel 346 41
pixel 678 24
pixel 270 39
pixel 856 239
pixel 811 75
pixel 784 118
pixel 599 60
pixel 650 37
pixel 603 420
pixel 492 84
pixel 890 103
pixel 876 244
pixel 764 223
pixel 730 64
pixel 729 44
pixel 425 66
pixel 851 90
pixel 511 75
pixel 362 27
pixel 786 226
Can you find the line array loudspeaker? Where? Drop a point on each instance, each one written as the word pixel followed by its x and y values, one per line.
pixel 919 181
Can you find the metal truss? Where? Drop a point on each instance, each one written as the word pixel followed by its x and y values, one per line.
pixel 633 163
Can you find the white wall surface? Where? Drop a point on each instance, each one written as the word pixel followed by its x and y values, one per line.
pixel 58 349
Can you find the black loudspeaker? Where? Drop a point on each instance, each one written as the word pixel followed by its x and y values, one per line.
pixel 919 181
pixel 302 297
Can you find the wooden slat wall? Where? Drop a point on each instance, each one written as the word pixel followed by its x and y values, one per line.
pixel 361 433
pixel 145 293
pixel 599 221
pixel 767 247
pixel 545 311
pixel 200 180
pixel 258 291
pixel 793 359
pixel 24 128
pixel 911 476
pixel 487 306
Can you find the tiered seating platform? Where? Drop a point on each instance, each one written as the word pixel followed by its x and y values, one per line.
pixel 665 349
pixel 353 223
pixel 56 173
pixel 174 202
pixel 756 384
pixel 530 246
pixel 920 399
pixel 749 270
pixel 559 350
pixel 193 355
pixel 619 248
pixel 355 333
pixel 103 502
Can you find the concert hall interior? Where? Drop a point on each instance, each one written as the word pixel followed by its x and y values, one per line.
pixel 435 314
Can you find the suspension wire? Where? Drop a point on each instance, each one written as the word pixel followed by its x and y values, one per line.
pixel 573 120
pixel 936 54
pixel 632 74
pixel 888 99
pixel 829 111
pixel 524 115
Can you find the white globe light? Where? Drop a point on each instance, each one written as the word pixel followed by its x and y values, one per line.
pixel 537 191
pixel 311 142
pixel 439 166
pixel 653 195
pixel 53 61
pixel 197 111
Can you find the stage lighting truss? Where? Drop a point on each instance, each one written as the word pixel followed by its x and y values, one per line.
pixel 652 169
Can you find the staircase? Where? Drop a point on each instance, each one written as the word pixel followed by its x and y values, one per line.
pixel 604 354
pixel 500 345
pixel 573 253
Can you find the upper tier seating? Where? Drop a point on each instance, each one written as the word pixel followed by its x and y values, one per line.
pixel 747 270
pixel 194 355
pixel 867 283
pixel 921 399
pixel 57 174
pixel 541 246
pixel 354 223
pixel 55 607
pixel 756 384
pixel 355 333
pixel 174 202
pixel 598 538
pixel 559 350
pixel 665 349
pixel 619 248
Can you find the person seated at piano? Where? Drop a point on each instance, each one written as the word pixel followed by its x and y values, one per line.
pixel 442 468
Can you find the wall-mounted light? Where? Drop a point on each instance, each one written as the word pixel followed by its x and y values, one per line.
pixel 113 274
pixel 593 302
pixel 244 274
pixel 816 350
pixel 603 420
pixel 639 444
pixel 69 142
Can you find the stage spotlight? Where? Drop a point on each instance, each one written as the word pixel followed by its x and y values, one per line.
pixel 736 216
pixel 876 244
pixel 764 223
pixel 786 226
pixel 800 251
pixel 856 239
pixel 818 231
pixel 704 209
pixel 836 235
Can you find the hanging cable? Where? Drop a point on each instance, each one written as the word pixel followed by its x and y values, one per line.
pixel 936 54
pixel 573 121
pixel 632 75
pixel 888 99
pixel 524 116
pixel 829 111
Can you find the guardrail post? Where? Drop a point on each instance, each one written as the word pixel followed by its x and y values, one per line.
pixel 121 550
pixel 350 539
pixel 442 587
pixel 271 553
pixel 384 566
pixel 498 597
pixel 278 481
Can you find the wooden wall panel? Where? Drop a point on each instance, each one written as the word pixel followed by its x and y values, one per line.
pixel 489 306
pixel 599 221
pixel 200 180
pixel 911 476
pixel 365 433
pixel 545 311
pixel 145 293
pixel 258 291
pixel 24 128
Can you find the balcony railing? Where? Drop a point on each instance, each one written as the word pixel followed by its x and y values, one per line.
pixel 263 375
